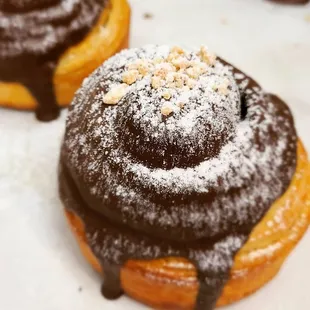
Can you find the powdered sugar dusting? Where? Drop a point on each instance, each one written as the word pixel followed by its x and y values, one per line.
pixel 188 170
pixel 250 158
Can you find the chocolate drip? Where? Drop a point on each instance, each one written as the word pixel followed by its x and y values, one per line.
pixel 114 245
pixel 33 36
pixel 111 287
pixel 201 207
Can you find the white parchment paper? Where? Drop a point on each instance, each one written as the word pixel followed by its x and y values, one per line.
pixel 40 265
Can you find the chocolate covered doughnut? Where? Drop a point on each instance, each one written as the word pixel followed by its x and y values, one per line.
pixel 174 153
pixel 34 37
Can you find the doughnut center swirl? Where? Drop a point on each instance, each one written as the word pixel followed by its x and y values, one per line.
pixel 184 139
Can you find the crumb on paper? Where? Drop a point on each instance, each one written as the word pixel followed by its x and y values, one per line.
pixel 307 18
pixel 148 15
pixel 80 289
pixel 224 21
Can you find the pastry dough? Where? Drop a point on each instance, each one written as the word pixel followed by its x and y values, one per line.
pixel 171 283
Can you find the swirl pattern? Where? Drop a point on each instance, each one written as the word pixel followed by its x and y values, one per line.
pixel 203 174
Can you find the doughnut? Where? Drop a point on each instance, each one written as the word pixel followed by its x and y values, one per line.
pixel 47 48
pixel 184 182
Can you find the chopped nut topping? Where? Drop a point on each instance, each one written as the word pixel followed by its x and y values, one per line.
pixel 170 77
pixel 206 56
pixel 177 70
pixel 191 83
pixel 163 69
pixel 192 73
pixel 166 110
pixel 115 94
pixel 180 105
pixel 142 65
pixel 172 56
pixel 166 94
pixel 180 80
pixel 177 50
pixel 180 62
pixel 156 82
pixel 196 70
pixel 223 88
pixel 130 77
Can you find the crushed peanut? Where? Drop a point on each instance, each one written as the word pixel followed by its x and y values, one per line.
pixel 191 83
pixel 180 80
pixel 166 94
pixel 163 69
pixel 170 77
pixel 180 62
pixel 142 65
pixel 166 110
pixel 131 76
pixel 156 82
pixel 223 88
pixel 115 94
pixel 177 70
pixel 206 56
pixel 181 105
pixel 177 50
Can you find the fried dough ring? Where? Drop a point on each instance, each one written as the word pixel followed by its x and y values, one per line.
pixel 107 37
pixel 171 283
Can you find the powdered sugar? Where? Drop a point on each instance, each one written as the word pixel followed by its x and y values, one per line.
pixel 154 165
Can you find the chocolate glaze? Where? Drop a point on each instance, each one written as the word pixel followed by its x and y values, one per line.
pixel 33 36
pixel 130 216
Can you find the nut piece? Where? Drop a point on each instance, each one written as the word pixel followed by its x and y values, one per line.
pixel 180 62
pixel 163 69
pixel 156 82
pixel 206 56
pixel 177 50
pixel 191 83
pixel 166 94
pixel 196 70
pixel 115 94
pixel 130 77
pixel 181 80
pixel 142 65
pixel 166 110
pixel 170 77
pixel 223 88
pixel 181 105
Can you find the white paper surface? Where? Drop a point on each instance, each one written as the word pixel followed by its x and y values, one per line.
pixel 41 267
